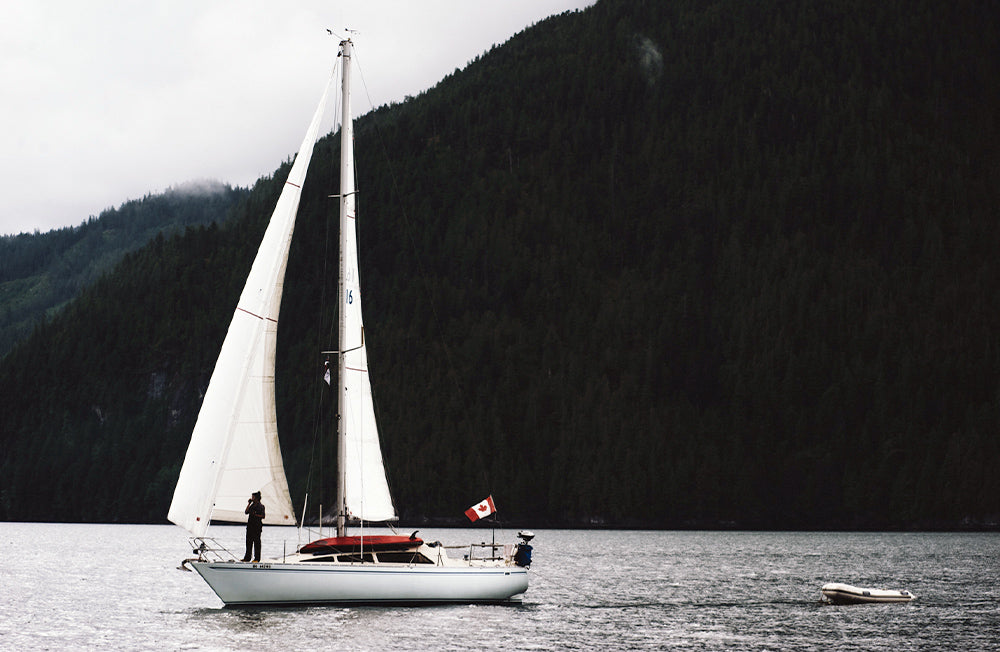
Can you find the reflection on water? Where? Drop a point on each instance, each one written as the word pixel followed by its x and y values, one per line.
pixel 117 587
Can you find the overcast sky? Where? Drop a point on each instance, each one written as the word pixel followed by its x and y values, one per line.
pixel 105 101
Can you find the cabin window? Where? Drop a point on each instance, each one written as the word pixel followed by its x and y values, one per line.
pixel 403 558
pixel 366 558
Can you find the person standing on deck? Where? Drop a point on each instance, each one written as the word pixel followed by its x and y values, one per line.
pixel 255 524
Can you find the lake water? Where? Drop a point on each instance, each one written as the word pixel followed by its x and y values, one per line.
pixel 117 587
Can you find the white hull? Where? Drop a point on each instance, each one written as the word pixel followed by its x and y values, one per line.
pixel 277 583
pixel 847 594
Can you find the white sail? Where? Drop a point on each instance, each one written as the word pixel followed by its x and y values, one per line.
pixel 234 447
pixel 366 491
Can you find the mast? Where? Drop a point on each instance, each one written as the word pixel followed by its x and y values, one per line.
pixel 346 213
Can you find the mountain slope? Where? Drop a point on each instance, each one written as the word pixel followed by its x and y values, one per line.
pixel 40 272
pixel 650 264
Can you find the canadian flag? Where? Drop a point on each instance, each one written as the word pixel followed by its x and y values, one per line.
pixel 481 510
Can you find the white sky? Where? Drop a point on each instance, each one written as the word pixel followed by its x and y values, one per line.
pixel 103 101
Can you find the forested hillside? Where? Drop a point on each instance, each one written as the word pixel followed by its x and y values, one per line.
pixel 40 272
pixel 661 264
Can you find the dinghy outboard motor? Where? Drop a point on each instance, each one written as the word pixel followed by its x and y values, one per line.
pixel 522 552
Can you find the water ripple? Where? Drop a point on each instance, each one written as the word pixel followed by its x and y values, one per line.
pixel 119 588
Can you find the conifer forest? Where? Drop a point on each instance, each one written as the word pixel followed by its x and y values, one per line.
pixel 659 264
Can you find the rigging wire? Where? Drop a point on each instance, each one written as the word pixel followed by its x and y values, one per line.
pixel 409 230
pixel 357 232
pixel 358 220
pixel 317 453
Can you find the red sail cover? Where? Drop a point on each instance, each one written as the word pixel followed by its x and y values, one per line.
pixel 358 543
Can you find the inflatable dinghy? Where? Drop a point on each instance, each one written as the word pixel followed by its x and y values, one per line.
pixel 846 594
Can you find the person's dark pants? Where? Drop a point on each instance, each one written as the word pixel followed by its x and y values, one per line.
pixel 253 543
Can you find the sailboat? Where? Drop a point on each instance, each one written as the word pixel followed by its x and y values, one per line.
pixel 234 448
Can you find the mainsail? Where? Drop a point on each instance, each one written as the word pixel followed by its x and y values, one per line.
pixel 234 446
pixel 363 483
